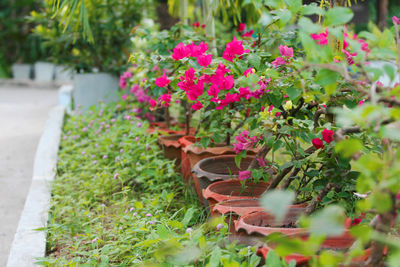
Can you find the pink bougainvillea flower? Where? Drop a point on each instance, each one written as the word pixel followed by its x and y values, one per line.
pixel 248 34
pixel 124 97
pixel 317 143
pixel 226 82
pixel 233 49
pixel 244 92
pixel 244 175
pixel 180 51
pixel 349 56
pixel 197 106
pixel 361 102
pixel 278 62
pixel 244 142
pixel 122 83
pixel 286 51
pixel 162 81
pixel 248 72
pixel 196 50
pixel 193 90
pixel 213 90
pixel 396 20
pixel 322 38
pixel 261 162
pixel 152 103
pixel 327 135
pixel 164 100
pixel 241 27
pixel 204 60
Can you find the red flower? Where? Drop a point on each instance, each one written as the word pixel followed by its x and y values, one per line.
pixel 317 143
pixel 180 51
pixel 327 135
pixel 241 27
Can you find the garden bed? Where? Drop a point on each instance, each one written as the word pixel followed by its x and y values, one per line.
pixel 117 201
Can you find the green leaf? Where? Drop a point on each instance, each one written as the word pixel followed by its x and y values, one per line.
pixel 363 232
pixel 329 221
pixel 266 19
pixel 326 77
pixel 348 147
pixel 254 60
pixel 381 201
pixel 293 93
pixel 277 202
pixel 312 9
pixel 284 15
pixel 338 16
pixel 390 71
pixel 308 26
pixel 162 231
pixel 294 5
pixel 188 216
pixel 273 259
pixel 215 257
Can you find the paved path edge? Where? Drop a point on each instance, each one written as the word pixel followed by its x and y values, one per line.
pixel 28 243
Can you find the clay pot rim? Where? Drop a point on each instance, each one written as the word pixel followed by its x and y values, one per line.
pixel 224 209
pixel 240 224
pixel 200 173
pixel 170 140
pixel 208 193
pixel 216 149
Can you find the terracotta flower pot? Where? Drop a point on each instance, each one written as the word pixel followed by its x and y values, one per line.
pixel 261 223
pixel 342 242
pixel 214 169
pixel 171 147
pixel 162 127
pixel 186 169
pixel 232 190
pixel 234 208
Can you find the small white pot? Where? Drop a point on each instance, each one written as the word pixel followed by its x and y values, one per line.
pixel 21 71
pixel 44 72
pixel 91 88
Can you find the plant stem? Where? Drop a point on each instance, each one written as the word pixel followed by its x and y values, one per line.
pixel 167 117
pixel 188 115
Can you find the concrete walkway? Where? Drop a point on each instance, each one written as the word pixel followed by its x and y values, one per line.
pixel 23 114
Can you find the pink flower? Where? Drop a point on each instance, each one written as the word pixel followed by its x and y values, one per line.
pixel 197 105
pixel 162 81
pixel 233 49
pixel 349 56
pixel 322 38
pixel 219 226
pixel 248 72
pixel 396 20
pixel 165 100
pixel 122 83
pixel 278 62
pixel 248 34
pixel 152 103
pixel 124 97
pixel 244 175
pixel 180 51
pixel 261 162
pixel 317 143
pixel 327 135
pixel 286 51
pixel 204 60
pixel 196 50
pixel 361 102
pixel 241 27
pixel 244 142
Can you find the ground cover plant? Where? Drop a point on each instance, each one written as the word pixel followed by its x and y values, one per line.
pixel 116 201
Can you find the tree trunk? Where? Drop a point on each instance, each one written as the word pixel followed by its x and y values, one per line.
pixel 382 9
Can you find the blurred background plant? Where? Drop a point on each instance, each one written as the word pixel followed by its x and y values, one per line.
pixel 17 44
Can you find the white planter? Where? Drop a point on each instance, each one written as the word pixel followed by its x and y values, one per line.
pixel 63 74
pixel 44 71
pixel 91 88
pixel 385 79
pixel 21 71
